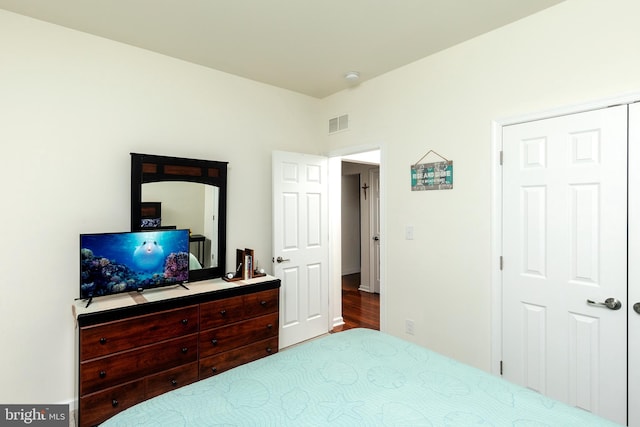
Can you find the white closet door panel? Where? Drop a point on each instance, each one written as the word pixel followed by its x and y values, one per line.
pixel 564 242
pixel 634 265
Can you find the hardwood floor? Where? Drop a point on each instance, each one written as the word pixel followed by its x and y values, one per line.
pixel 359 309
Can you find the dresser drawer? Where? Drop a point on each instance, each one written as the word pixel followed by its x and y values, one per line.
pixel 97 407
pixel 111 370
pixel 107 338
pixel 171 379
pixel 224 361
pixel 225 338
pixel 221 312
pixel 260 303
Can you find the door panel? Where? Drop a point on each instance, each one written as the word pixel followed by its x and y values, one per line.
pixel 300 239
pixel 564 242
pixel 374 264
pixel 634 265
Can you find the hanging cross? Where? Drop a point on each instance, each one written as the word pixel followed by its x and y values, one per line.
pixel 364 187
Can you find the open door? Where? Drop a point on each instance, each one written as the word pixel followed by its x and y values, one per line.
pixel 300 244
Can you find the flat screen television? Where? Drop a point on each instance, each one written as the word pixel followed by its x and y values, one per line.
pixel 112 263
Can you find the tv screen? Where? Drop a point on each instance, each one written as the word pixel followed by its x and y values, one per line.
pixel 111 263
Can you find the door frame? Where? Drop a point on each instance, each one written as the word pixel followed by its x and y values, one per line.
pixel 335 228
pixel 496 202
pixel 374 228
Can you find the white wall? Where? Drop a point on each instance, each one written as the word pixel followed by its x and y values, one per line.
pixel 72 108
pixel 350 210
pixel 577 51
pixel 182 203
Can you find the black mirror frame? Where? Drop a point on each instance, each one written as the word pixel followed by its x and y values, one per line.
pixel 151 168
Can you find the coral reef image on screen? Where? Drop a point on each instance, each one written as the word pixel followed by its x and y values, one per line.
pixel 111 263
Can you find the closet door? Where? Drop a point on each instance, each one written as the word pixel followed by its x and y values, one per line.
pixel 564 244
pixel 634 265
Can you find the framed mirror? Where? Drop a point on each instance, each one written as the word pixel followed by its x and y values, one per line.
pixel 174 192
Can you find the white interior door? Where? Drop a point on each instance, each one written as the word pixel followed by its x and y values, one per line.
pixel 300 245
pixel 634 265
pixel 374 209
pixel 564 242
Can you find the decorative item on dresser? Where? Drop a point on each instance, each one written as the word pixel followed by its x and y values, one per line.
pixel 131 349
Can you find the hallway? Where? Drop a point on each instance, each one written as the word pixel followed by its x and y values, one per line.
pixel 359 309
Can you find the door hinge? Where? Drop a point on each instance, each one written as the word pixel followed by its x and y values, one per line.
pixel 501 367
pixel 500 157
pixel 501 263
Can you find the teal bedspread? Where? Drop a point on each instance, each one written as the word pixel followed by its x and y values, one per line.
pixel 358 377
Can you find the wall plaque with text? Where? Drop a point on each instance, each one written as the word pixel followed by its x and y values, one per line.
pixel 432 176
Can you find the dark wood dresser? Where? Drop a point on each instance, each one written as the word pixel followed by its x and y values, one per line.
pixel 134 351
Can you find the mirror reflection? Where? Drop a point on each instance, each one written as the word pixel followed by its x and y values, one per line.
pixel 190 205
pixel 176 192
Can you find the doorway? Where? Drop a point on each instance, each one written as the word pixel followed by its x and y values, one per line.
pixel 323 312
pixel 360 238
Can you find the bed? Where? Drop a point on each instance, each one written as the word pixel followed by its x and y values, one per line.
pixel 358 377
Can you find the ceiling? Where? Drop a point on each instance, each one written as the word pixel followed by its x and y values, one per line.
pixel 302 45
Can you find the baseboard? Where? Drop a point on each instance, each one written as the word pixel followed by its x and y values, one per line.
pixel 337 321
pixel 73 418
pixel 352 270
pixel 73 412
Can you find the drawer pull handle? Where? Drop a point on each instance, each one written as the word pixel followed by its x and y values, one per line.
pixel 102 374
pixel 174 383
pixel 269 350
pixel 269 326
pixel 185 321
pixel 103 340
pixel 214 369
pixel 114 403
pixel 223 312
pixel 214 342
pixel 263 303
pixel 185 349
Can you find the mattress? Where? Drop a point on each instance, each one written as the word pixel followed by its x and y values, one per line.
pixel 358 377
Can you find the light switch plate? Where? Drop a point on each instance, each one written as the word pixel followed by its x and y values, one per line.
pixel 408 232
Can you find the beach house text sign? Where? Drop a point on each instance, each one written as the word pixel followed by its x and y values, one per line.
pixel 432 176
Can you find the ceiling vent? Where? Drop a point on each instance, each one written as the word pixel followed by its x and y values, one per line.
pixel 338 124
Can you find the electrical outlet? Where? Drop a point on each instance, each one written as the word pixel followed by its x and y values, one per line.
pixel 409 327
